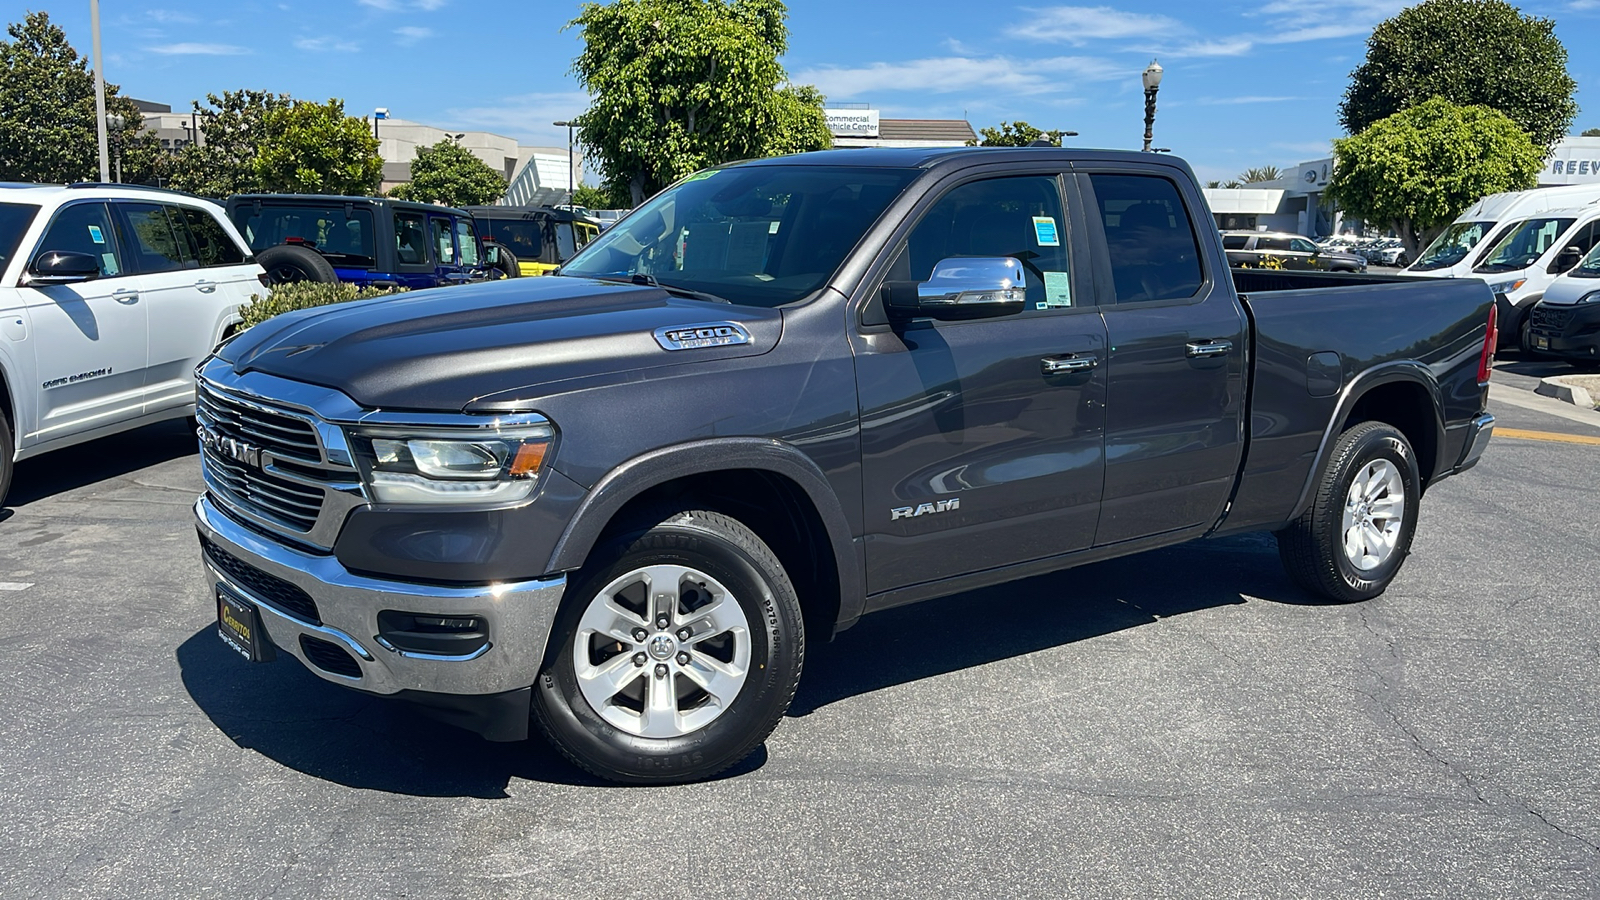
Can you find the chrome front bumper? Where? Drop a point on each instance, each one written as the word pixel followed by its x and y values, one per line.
pixel 519 616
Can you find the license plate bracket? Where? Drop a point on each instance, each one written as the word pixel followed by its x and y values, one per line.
pixel 1541 343
pixel 239 626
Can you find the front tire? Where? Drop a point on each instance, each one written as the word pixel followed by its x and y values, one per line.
pixel 1352 540
pixel 8 450
pixel 675 654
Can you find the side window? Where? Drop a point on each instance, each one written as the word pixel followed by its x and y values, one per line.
pixel 1301 245
pixel 1584 239
pixel 156 245
pixel 410 237
pixel 85 228
pixel 444 242
pixel 565 246
pixel 1021 217
pixel 212 243
pixel 1234 241
pixel 467 239
pixel 1280 245
pixel 1154 252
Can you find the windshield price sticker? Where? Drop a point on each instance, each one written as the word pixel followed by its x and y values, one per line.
pixel 96 235
pixel 1044 231
pixel 1057 291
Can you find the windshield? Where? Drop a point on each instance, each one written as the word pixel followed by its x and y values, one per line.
pixel 14 220
pixel 1453 246
pixel 1523 246
pixel 1589 268
pixel 761 235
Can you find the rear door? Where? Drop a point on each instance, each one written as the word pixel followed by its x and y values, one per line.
pixel 973 456
pixel 90 338
pixel 1176 364
pixel 446 251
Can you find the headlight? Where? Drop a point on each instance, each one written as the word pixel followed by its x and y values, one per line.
pixel 1591 297
pixel 451 466
pixel 1506 287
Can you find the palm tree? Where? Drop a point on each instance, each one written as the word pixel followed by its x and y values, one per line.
pixel 1260 173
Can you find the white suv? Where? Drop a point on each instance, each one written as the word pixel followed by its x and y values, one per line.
pixel 109 297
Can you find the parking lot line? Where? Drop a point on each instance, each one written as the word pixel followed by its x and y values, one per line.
pixel 1521 435
pixel 15 585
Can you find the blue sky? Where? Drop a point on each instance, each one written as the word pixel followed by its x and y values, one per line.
pixel 1246 84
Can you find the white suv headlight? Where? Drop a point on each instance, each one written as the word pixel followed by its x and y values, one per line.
pixel 451 466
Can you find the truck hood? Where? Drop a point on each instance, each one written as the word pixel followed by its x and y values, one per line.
pixel 441 349
pixel 1569 289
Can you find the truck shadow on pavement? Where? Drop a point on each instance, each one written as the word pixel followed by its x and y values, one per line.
pixel 100 460
pixel 285 713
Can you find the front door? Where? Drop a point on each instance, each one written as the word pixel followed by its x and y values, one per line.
pixel 972 456
pixel 1175 404
pixel 90 338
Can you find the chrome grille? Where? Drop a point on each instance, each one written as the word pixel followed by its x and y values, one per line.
pixel 1551 318
pixel 284 436
pixel 294 506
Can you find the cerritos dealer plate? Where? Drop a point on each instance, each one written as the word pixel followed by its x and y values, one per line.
pixel 238 625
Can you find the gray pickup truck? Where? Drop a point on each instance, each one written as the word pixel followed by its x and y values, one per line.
pixel 782 394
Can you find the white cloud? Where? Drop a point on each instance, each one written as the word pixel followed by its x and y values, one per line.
pixel 325 44
pixel 1077 25
pixel 526 117
pixel 411 34
pixel 943 75
pixel 194 49
pixel 1218 47
pixel 1236 101
pixel 171 17
pixel 399 5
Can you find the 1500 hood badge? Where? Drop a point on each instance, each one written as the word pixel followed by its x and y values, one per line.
pixel 706 334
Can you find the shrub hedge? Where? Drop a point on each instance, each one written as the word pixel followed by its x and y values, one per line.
pixel 284 298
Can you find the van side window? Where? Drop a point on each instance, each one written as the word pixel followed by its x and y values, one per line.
pixel 1154 252
pixel 1584 239
pixel 85 228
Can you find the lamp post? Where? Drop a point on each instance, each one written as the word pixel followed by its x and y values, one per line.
pixel 1152 83
pixel 381 112
pixel 99 90
pixel 114 123
pixel 568 123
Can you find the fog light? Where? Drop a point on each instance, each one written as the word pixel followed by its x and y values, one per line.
pixel 434 634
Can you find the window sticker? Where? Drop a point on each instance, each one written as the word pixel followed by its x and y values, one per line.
pixel 96 235
pixel 699 176
pixel 108 264
pixel 1044 231
pixel 1057 290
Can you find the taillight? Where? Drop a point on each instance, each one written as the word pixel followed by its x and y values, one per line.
pixel 1490 338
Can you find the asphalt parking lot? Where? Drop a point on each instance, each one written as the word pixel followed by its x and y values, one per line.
pixel 1178 724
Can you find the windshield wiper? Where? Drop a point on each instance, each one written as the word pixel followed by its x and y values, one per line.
pixel 652 281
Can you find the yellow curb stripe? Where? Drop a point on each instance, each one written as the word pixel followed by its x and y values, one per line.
pixel 1521 435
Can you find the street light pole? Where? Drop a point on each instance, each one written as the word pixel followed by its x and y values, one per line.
pixel 99 92
pixel 1152 83
pixel 571 188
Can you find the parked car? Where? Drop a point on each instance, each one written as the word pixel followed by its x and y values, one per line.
pixel 540 238
pixel 109 297
pixel 1531 256
pixel 788 392
pixel 367 241
pixel 1565 322
pixel 1254 249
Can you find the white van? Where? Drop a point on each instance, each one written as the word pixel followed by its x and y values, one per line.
pixel 1463 245
pixel 1566 322
pixel 110 295
pixel 1530 257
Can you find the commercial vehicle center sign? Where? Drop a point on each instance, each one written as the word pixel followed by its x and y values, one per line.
pixel 852 122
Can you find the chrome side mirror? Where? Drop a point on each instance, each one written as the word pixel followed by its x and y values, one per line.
pixel 963 288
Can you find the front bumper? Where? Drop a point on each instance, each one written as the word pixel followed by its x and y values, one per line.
pixel 1570 332
pixel 519 615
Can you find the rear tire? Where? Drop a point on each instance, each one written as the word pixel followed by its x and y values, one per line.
pixel 8 451
pixel 1350 543
pixel 287 263
pixel 675 654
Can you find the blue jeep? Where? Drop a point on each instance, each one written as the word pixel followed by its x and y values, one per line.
pixel 367 241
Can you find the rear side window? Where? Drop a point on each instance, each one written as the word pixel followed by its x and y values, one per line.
pixel 444 242
pixel 85 228
pixel 212 242
pixel 346 239
pixel 411 238
pixel 158 243
pixel 1234 241
pixel 1272 243
pixel 520 235
pixel 1154 252
pixel 14 220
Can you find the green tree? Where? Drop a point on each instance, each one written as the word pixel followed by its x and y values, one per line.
pixel 1417 169
pixel 314 148
pixel 1471 53
pixel 1259 174
pixel 1015 134
pixel 1591 132
pixel 47 113
pixel 446 173
pixel 232 128
pixel 590 197
pixel 679 85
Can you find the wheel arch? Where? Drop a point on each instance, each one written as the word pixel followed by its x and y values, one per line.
pixel 772 487
pixel 1402 394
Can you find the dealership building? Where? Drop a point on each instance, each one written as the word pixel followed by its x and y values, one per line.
pixel 1294 203
pixel 859 125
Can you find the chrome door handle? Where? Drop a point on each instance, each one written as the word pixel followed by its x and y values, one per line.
pixel 205 286
pixel 125 296
pixel 1206 349
pixel 1063 365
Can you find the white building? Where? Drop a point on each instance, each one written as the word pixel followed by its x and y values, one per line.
pixel 535 175
pixel 859 125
